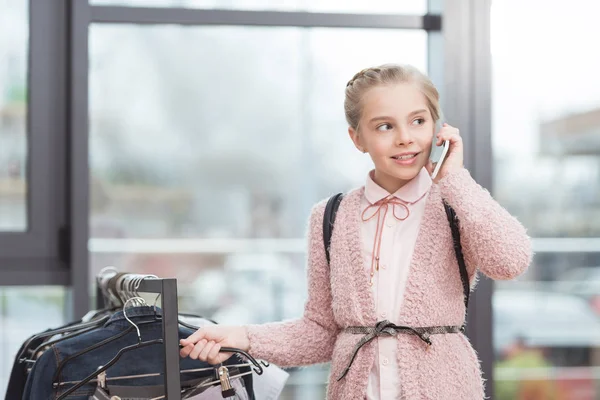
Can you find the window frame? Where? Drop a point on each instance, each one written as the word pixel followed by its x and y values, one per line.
pixel 39 255
pixel 54 250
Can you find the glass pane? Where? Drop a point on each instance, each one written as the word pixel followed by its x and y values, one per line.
pixel 546 116
pixel 547 329
pixel 43 308
pixel 14 36
pixel 418 7
pixel 546 137
pixel 205 162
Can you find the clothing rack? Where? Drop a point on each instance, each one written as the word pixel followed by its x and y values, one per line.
pixel 167 288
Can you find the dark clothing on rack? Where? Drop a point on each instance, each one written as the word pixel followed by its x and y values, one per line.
pixel 151 392
pixel 145 360
pixel 18 375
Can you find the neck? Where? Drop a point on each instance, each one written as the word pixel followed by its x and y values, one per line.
pixel 389 183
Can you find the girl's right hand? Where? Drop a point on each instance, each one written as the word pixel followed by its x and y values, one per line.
pixel 206 342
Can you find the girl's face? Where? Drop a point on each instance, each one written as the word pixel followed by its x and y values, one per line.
pixel 396 129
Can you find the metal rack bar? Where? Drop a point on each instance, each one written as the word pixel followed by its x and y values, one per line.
pixel 170 328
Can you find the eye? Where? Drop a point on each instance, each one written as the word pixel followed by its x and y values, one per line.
pixel 419 121
pixel 384 127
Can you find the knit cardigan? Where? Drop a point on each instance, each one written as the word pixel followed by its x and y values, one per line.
pixel 339 296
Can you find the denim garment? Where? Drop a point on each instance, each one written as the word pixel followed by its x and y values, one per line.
pixel 146 360
pixel 18 375
pixel 151 392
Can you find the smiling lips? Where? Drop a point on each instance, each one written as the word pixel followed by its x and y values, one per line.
pixel 405 158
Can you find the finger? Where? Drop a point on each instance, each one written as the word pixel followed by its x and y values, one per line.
pixel 193 338
pixel 206 350
pixel 213 354
pixel 455 139
pixel 440 138
pixel 197 349
pixel 452 137
pixel 185 351
pixel 448 130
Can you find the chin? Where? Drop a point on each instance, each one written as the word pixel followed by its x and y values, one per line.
pixel 404 175
pixel 404 172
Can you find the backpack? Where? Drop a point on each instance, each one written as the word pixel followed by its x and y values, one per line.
pixel 329 218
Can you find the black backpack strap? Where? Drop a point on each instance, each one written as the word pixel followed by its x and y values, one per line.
pixel 328 219
pixel 464 275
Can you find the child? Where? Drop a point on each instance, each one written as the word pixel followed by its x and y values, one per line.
pixel 392 260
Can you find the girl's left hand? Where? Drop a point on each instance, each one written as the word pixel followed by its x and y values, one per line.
pixel 454 158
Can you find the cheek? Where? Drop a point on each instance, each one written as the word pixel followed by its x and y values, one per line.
pixel 380 145
pixel 426 143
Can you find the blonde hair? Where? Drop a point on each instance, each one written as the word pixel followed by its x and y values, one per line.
pixel 387 74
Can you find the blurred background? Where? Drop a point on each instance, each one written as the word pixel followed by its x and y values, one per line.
pixel 206 144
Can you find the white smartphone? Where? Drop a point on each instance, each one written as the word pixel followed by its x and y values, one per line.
pixel 438 154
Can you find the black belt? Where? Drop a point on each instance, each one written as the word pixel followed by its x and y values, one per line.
pixel 386 328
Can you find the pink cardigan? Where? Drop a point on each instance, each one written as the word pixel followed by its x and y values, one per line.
pixel 493 242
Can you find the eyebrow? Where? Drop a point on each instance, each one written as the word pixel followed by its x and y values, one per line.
pixel 383 117
pixel 417 112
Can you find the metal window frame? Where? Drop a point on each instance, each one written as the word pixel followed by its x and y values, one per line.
pixel 78 157
pixel 458 62
pixel 55 248
pixel 37 255
pixel 186 16
pixel 82 15
pixel 467 85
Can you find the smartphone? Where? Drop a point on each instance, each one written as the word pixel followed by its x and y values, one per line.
pixel 438 154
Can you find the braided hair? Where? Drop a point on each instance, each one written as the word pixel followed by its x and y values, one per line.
pixel 387 74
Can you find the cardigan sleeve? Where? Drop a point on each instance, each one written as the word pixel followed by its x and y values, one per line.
pixel 493 241
pixel 309 339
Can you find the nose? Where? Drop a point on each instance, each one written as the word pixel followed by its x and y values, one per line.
pixel 403 137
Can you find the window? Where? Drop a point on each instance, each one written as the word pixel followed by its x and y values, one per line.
pixel 355 6
pixel 13 115
pixel 546 136
pixel 25 311
pixel 208 147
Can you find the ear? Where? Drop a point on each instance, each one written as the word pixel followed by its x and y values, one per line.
pixel 356 139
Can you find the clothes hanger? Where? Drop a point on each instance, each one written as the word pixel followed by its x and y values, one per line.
pixel 95 346
pixel 81 328
pixel 227 389
pixel 234 367
pixel 67 329
pixel 105 280
pixel 223 371
pixel 222 374
pixel 112 362
pixel 126 290
pixel 82 324
pixel 54 341
pixel 258 368
pixel 128 294
pixel 140 344
pixel 191 315
pixel 100 393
